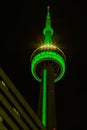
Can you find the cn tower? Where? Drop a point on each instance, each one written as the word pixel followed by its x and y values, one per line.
pixel 48 67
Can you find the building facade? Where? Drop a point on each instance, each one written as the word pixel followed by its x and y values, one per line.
pixel 15 112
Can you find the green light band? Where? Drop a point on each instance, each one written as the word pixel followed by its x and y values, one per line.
pixel 48 55
pixel 44 97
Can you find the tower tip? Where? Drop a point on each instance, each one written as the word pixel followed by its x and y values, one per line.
pixel 48 12
pixel 48 8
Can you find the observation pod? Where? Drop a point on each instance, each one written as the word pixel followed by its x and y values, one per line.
pixel 47 67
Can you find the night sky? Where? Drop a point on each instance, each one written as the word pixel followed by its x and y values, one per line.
pixel 21 32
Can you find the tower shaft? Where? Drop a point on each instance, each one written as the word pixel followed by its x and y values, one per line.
pixel 47 108
pixel 51 100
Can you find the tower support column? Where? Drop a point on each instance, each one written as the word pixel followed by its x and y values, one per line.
pixel 50 99
pixel 51 112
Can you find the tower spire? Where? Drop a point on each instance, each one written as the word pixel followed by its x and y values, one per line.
pixel 48 31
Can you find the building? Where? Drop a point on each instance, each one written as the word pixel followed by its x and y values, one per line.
pixel 47 67
pixel 15 112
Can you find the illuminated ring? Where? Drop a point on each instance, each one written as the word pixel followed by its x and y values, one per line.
pixel 48 55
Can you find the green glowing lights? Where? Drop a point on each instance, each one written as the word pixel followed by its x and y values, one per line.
pixel 44 97
pixel 48 55
pixel 47 52
pixel 48 31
